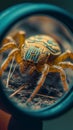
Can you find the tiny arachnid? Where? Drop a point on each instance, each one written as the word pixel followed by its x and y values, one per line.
pixel 41 52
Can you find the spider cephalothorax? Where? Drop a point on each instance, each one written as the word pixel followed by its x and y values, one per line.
pixel 35 52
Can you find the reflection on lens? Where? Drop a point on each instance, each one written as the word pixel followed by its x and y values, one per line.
pixel 36 62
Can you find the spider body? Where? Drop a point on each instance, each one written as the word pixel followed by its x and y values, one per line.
pixel 37 49
pixel 39 52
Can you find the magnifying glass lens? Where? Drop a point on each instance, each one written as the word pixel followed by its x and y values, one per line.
pixel 36 62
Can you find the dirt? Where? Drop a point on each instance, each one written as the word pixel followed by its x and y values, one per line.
pixel 48 94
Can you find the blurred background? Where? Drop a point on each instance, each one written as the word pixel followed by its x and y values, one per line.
pixel 66 120
pixel 66 4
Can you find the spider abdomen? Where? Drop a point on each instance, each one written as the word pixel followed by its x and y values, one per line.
pixel 32 54
pixel 38 48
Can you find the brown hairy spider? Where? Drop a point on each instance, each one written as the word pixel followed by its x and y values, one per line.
pixel 41 53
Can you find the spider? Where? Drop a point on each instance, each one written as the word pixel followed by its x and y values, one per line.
pixel 39 52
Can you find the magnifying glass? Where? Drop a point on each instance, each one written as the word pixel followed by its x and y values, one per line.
pixel 36 61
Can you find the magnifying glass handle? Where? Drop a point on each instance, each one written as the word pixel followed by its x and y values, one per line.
pixel 17 124
pixel 4 120
pixel 12 123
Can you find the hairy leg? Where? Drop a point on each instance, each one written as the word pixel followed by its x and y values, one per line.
pixel 10 45
pixel 40 82
pixel 14 53
pixel 7 40
pixel 19 37
pixel 64 56
pixel 62 75
pixel 32 69
pixel 66 65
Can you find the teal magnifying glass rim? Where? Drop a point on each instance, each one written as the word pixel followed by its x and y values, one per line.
pixel 8 19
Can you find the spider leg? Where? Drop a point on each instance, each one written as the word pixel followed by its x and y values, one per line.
pixel 14 53
pixel 33 68
pixel 55 68
pixel 19 37
pixel 7 40
pixel 40 82
pixel 64 56
pixel 66 65
pixel 10 45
